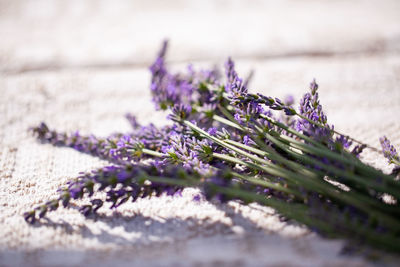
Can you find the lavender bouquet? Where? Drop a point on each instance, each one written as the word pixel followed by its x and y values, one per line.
pixel 236 145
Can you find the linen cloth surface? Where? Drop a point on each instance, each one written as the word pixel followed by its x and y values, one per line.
pixel 83 65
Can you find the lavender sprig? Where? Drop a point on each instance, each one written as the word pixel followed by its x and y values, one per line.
pixel 389 151
pixel 133 181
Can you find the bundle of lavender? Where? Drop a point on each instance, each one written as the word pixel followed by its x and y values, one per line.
pixel 236 145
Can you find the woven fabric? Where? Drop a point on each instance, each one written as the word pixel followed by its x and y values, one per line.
pixel 88 79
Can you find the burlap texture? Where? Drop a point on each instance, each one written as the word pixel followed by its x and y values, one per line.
pixel 82 66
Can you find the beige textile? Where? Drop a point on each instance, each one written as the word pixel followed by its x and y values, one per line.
pixel 81 65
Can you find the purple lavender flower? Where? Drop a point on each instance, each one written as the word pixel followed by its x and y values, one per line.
pixel 87 144
pixel 116 148
pixel 197 198
pixel 237 89
pixel 230 73
pixel 174 89
pixel 192 154
pixel 311 109
pixel 212 131
pixel 344 141
pixel 132 120
pixel 108 178
pixel 182 111
pixel 30 216
pixel 239 118
pixel 117 197
pixel 76 191
pixel 152 137
pixel 389 151
pixel 248 141
pixel 249 111
pixel 162 83
pixel 158 68
pixel 235 86
pixel 289 100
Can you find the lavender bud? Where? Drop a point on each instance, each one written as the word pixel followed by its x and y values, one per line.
pixel 65 198
pixel 132 120
pixel 388 150
pixel 181 112
pixel 30 216
pixel 97 204
pixel 86 210
pixel 42 211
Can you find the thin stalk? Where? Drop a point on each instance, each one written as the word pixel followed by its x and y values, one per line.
pixel 267 184
pixel 243 177
pixel 348 176
pixel 337 171
pixel 273 156
pixel 226 122
pixel 222 143
pixel 298 212
pixel 312 184
pixel 369 171
pixel 323 151
pixel 166 180
pixel 336 132
pixel 302 157
pixel 281 206
pixel 272 168
pixel 226 113
pixel 291 177
pixel 153 153
pixel 396 162
pixel 292 131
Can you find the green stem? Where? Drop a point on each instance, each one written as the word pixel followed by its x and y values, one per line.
pixel 262 153
pixel 226 113
pixel 281 206
pixel 172 181
pixel 395 162
pixel 269 167
pixel 347 176
pixel 226 122
pixel 368 171
pixel 351 138
pixel 292 131
pixel 153 153
pixel 301 213
pixel 315 186
pixel 361 180
pixel 271 154
pixel 274 156
pixel 312 184
pixel 222 143
pixel 295 178
pixel 267 184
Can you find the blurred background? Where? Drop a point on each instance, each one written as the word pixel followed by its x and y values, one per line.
pixel 47 34
pixel 81 65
